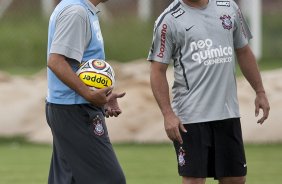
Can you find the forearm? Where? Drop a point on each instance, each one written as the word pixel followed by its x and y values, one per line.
pixel 160 88
pixel 249 68
pixel 64 72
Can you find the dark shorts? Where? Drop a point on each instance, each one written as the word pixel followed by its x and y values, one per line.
pixel 82 151
pixel 212 149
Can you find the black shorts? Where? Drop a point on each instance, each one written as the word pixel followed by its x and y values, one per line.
pixel 82 151
pixel 212 149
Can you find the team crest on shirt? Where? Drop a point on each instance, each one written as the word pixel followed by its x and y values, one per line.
pixel 98 126
pixel 226 22
pixel 181 158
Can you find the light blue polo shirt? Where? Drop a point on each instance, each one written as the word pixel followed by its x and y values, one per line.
pixel 74 31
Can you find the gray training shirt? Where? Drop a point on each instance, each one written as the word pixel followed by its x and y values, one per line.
pixel 200 43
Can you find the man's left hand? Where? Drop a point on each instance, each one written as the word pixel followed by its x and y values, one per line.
pixel 261 102
pixel 112 108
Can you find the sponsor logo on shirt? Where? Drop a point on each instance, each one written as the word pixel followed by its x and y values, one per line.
pixel 96 27
pixel 223 3
pixel 226 22
pixel 163 38
pixel 204 52
pixel 178 13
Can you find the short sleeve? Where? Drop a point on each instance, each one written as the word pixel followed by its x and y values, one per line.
pixel 242 33
pixel 71 34
pixel 162 44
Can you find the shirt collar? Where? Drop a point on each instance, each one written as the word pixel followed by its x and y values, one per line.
pixel 92 8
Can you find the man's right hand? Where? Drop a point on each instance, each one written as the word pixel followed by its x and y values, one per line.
pixel 172 126
pixel 98 97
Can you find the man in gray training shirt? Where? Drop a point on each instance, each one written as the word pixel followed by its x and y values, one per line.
pixel 202 38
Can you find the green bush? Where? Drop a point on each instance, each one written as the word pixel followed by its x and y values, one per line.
pixel 127 39
pixel 23 44
pixel 24 40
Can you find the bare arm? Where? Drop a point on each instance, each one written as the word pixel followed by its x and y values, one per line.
pixel 249 68
pixel 58 64
pixel 160 90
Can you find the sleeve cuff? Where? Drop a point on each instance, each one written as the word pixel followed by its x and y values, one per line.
pixel 67 52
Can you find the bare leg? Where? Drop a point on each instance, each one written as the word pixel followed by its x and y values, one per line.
pixel 233 180
pixel 190 180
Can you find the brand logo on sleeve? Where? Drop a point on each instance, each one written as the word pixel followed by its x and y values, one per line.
pixel 242 22
pixel 163 38
pixel 223 3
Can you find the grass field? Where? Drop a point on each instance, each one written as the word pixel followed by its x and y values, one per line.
pixel 26 163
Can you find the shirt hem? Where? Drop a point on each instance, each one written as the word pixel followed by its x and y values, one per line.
pixel 208 119
pixel 66 101
pixel 67 52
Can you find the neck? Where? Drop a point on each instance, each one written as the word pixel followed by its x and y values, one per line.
pixel 95 2
pixel 196 3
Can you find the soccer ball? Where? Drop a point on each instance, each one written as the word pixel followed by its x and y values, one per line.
pixel 96 74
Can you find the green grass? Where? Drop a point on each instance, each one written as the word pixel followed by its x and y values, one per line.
pixel 264 164
pixel 27 163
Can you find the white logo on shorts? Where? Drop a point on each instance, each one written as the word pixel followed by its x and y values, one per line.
pixel 181 158
pixel 98 126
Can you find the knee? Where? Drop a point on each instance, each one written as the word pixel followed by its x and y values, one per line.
pixel 233 180
pixel 190 180
pixel 239 180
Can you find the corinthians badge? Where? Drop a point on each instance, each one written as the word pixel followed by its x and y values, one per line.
pixel 181 158
pixel 98 126
pixel 226 22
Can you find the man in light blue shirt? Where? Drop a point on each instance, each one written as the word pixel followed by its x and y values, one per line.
pixel 82 151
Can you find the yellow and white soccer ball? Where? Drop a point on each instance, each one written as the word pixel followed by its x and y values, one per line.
pixel 96 74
